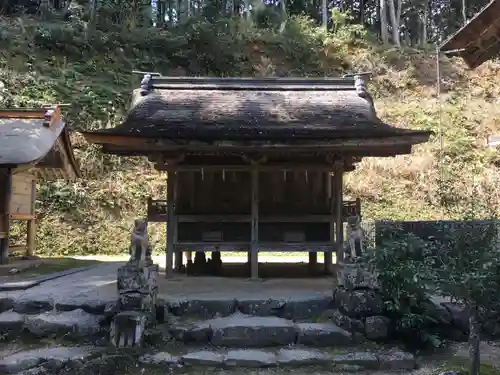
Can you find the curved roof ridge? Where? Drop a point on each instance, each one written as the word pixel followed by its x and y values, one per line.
pixel 27 135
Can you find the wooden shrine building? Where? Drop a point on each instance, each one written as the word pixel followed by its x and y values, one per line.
pixel 479 40
pixel 34 143
pixel 254 165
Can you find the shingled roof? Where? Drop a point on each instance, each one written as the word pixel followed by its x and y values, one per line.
pixel 251 109
pixel 479 40
pixel 37 137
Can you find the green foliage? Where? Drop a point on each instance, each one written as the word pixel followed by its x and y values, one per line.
pixel 406 273
pixel 90 69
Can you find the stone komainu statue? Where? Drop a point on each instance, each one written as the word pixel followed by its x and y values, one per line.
pixel 139 241
pixel 355 236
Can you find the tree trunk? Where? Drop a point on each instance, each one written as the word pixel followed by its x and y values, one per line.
pixel 395 18
pixel 474 337
pixel 425 18
pixel 284 15
pixel 464 12
pixel 362 12
pixel 324 7
pixel 384 34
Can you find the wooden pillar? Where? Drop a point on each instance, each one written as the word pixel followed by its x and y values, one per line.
pixel 171 223
pixel 328 256
pixel 31 236
pixel 5 194
pixel 339 223
pixel 313 262
pixel 254 246
pixel 31 239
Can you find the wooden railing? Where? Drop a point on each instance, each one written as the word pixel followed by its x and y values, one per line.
pixel 157 212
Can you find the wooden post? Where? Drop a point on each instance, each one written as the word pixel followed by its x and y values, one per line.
pixel 178 254
pixel 254 247
pixel 171 223
pixel 328 256
pixel 5 194
pixel 313 261
pixel 339 222
pixel 31 237
pixel 31 240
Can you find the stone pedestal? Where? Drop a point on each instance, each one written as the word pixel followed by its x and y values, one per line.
pixel 137 293
pixel 352 276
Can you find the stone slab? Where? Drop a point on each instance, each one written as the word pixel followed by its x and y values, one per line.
pixel 32 305
pixel 345 322
pixel 190 332
pixel 25 360
pixel 322 334
pixel 160 358
pixel 303 306
pixel 262 307
pixel 249 358
pixel 239 330
pixel 204 307
pixel 11 323
pixel 87 304
pixel 365 360
pixel 397 360
pixel 302 357
pixel 6 303
pixel 203 358
pixel 77 322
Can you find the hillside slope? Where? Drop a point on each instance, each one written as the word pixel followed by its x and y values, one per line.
pixel 61 62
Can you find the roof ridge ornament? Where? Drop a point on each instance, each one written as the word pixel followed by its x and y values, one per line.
pixel 147 81
pixel 361 90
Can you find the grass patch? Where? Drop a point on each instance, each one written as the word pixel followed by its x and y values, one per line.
pixel 44 266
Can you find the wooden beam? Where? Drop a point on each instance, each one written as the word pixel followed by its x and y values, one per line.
pixel 339 222
pixel 325 247
pixel 254 247
pixel 243 168
pixel 6 192
pixel 23 217
pixel 152 145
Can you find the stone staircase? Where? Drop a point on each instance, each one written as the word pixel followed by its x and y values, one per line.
pixel 223 332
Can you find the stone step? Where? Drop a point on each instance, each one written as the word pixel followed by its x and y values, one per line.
pixel 296 306
pixel 394 359
pixel 75 323
pixel 240 330
pixel 13 363
pixel 85 360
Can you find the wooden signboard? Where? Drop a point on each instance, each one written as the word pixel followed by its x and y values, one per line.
pixel 157 211
pixel 22 201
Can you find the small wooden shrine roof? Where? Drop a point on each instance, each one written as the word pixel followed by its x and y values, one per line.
pixel 37 138
pixel 241 110
pixel 479 40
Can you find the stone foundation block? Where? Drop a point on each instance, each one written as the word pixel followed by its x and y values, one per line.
pixel 322 334
pixel 359 303
pixel 138 301
pixel 133 278
pixel 353 276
